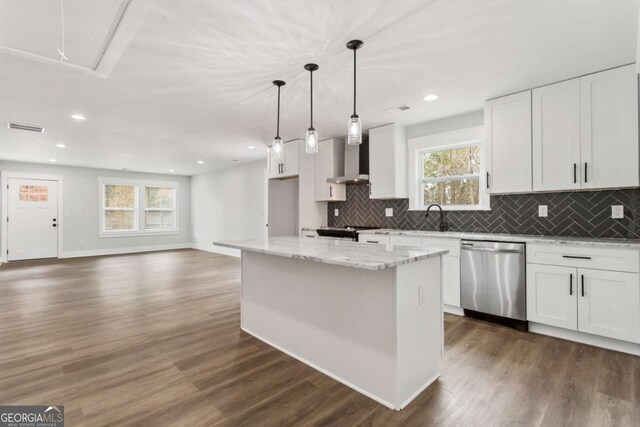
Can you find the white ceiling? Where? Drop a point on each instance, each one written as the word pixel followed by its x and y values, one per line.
pixel 194 83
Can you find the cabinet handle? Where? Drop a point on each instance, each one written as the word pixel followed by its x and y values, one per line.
pixel 487 180
pixel 330 191
pixel 571 284
pixel 370 190
pixel 281 167
pixel 582 278
pixel 372 241
pixel 575 173
pixel 576 257
pixel 585 172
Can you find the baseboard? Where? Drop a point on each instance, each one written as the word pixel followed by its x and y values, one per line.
pixel 216 249
pixel 417 393
pixel 327 373
pixel 581 337
pixel 130 250
pixel 451 309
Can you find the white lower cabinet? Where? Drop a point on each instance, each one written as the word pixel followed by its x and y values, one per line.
pixel 609 305
pixel 598 302
pixel 551 295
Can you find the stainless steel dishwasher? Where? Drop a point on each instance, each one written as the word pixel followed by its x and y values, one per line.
pixel 492 282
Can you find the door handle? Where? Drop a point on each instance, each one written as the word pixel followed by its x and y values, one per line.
pixel 585 172
pixel 571 284
pixel 582 278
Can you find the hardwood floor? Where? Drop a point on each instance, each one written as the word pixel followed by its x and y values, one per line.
pixel 154 339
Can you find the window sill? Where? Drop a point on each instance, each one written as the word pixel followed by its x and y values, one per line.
pixel 137 233
pixel 454 208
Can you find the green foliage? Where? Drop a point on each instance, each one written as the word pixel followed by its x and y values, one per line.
pixel 458 162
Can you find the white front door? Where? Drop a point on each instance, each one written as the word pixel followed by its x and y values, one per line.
pixel 32 227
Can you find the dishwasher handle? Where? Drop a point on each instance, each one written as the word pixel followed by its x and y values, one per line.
pixel 474 249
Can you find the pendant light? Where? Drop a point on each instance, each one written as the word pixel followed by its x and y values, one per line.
pixel 312 134
pixel 354 129
pixel 277 145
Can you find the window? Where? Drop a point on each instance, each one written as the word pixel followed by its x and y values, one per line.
pixel 447 169
pixel 159 208
pixel 34 193
pixel 137 208
pixel 451 177
pixel 120 207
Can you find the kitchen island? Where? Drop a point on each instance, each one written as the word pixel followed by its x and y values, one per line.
pixel 367 315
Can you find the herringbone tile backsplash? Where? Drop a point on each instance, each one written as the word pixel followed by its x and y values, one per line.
pixel 585 214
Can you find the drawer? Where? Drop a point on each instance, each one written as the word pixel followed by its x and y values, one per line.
pixel 413 242
pixel 442 242
pixel 585 257
pixel 373 238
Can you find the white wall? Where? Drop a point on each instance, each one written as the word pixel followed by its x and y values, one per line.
pixel 228 204
pixel 461 121
pixel 80 200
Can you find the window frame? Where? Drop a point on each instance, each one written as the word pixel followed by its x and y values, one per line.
pixel 418 147
pixel 140 207
pixel 172 209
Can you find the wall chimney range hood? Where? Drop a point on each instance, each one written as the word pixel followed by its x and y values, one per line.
pixel 356 163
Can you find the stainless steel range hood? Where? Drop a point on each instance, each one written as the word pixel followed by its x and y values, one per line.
pixel 356 163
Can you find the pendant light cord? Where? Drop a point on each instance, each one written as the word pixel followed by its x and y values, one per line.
pixel 354 82
pixel 278 122
pixel 311 99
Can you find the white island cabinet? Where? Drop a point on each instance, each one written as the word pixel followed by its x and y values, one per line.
pixel 368 316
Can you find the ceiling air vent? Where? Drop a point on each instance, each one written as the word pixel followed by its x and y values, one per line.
pixel 398 108
pixel 29 128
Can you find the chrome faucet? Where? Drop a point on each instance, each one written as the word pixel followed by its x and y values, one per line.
pixel 443 225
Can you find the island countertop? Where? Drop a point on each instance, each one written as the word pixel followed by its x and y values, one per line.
pixel 336 252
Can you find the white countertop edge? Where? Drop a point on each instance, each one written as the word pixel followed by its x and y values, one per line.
pixel 419 255
pixel 526 238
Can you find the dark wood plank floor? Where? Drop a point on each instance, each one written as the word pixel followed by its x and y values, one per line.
pixel 154 339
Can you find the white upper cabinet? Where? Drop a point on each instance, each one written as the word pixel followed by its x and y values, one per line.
pixel 556 136
pixel 609 128
pixel 288 165
pixel 388 162
pixel 507 123
pixel 329 164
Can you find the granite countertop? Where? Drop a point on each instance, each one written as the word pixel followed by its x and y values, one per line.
pixel 336 252
pixel 527 238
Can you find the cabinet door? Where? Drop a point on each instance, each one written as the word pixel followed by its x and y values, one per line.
pixel 609 304
pixel 387 162
pixel 381 162
pixel 551 295
pixel 451 280
pixel 507 123
pixel 291 161
pixel 275 165
pixel 609 128
pixel 556 136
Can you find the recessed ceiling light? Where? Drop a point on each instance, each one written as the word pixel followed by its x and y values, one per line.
pixel 251 147
pixel 61 146
pixel 200 162
pixel 52 160
pixel 170 170
pixel 431 97
pixel 78 117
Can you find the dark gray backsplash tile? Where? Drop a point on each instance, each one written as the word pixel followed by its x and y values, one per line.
pixel 585 214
